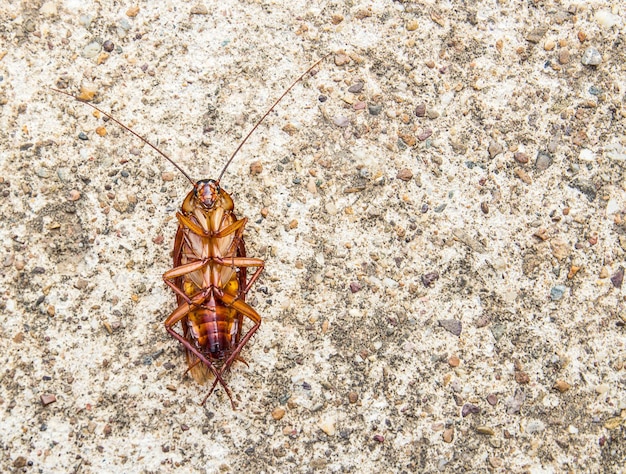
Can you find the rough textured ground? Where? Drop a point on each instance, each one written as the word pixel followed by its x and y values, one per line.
pixel 444 235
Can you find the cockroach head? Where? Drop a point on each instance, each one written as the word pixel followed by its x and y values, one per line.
pixel 207 192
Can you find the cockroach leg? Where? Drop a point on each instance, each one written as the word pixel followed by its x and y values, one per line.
pixel 204 360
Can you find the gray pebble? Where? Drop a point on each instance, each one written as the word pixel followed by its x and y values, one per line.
pixel 543 162
pixel 356 88
pixel 536 35
pixel 591 57
pixel 85 20
pixel 341 121
pixel 557 292
pixel 497 331
pixel 63 174
pixel 124 24
pixel 453 326
pixel 374 109
pixel 42 173
pixel 91 50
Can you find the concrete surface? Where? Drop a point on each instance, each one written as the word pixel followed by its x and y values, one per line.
pixel 444 234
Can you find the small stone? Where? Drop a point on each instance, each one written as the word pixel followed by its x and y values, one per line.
pixel 454 361
pixel 199 9
pixel 591 57
pixel 167 176
pixel 604 272
pixel 424 134
pixel 521 157
pixel 549 45
pixel 429 278
pixel 293 224
pixel 618 277
pixel 86 93
pixel 356 88
pixel 484 206
pixel 374 109
pixel 495 149
pixel 132 12
pixel 256 168
pixel 405 174
pixel 91 50
pixel 613 423
pixel 379 438
pixel 574 269
pixel 80 284
pixel 330 208
pixel 341 121
pixel 355 287
pixel 336 19
pixel 264 212
pixel 495 462
pixel 83 136
pixel 290 129
pixel 602 388
pixel 19 263
pixel 448 435
pixel 341 59
pixel 522 377
pixel 523 175
pixel 557 292
pixel 18 338
pixel 536 35
pixel 47 399
pixel 560 248
pixel 469 409
pixel 492 399
pixel 485 430
pixel 278 413
pixel 353 397
pixel 412 25
pixel 561 386
pixel 607 20
pixel 453 326
pixel 543 162
pixel 101 131
pixel 420 110
pixel 408 139
pixel 564 56
pixel 328 426
pixel 48 8
pixel 363 13
pixel 108 46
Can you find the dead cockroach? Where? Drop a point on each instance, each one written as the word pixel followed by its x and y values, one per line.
pixel 210 272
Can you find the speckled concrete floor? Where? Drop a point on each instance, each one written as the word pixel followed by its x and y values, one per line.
pixel 441 208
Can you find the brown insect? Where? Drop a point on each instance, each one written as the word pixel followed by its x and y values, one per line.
pixel 210 274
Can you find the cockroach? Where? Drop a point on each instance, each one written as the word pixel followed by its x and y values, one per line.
pixel 210 274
